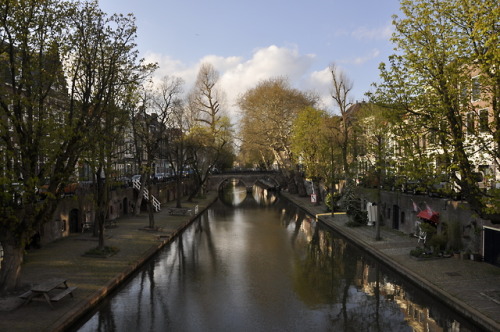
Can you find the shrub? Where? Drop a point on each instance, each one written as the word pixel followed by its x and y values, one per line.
pixel 438 242
pixel 104 252
pixel 417 252
pixel 351 203
pixel 328 201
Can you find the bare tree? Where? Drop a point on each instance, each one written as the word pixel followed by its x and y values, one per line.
pixel 340 92
pixel 151 122
pixel 210 132
pixel 206 100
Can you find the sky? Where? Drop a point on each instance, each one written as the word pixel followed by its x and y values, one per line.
pixel 248 41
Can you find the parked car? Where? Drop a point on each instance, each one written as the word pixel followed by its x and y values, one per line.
pixel 159 177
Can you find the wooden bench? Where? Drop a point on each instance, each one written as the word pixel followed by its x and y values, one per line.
pixel 26 295
pixel 62 294
pixel 51 290
pixel 178 211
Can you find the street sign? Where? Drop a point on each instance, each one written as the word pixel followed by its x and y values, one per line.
pixel 313 198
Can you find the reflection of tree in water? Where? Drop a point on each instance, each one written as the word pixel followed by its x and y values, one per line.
pixel 106 319
pixel 318 274
pixel 235 194
pixel 330 273
pixel 232 193
pixel 263 196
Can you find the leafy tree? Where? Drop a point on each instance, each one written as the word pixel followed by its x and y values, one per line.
pixel 101 62
pixel 269 111
pixel 31 76
pixel 439 45
pixel 308 143
pixel 46 124
pixel 377 123
pixel 311 144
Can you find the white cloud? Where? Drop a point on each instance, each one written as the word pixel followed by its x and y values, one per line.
pixel 265 63
pixel 320 82
pixel 360 60
pixel 364 33
pixel 237 75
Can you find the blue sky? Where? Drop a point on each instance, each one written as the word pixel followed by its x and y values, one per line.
pixel 248 41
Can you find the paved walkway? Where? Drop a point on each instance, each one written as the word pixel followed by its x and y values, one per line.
pixel 93 277
pixel 472 288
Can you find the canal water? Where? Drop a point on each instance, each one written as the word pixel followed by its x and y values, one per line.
pixel 257 263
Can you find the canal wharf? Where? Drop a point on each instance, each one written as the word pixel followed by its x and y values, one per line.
pixel 469 287
pixel 92 278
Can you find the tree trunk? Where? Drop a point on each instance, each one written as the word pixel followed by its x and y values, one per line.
pixel 290 183
pixel 101 207
pixel 178 189
pixel 138 201
pixel 301 188
pixel 10 268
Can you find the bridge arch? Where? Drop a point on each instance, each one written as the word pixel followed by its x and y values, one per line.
pixel 249 179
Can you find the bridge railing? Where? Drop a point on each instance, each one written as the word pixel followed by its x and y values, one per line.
pixel 245 171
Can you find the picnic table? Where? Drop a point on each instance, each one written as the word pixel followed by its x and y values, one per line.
pixel 178 211
pixel 51 290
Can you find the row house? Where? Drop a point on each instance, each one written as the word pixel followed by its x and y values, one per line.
pixel 405 200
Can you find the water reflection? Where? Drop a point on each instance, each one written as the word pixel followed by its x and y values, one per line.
pixel 234 193
pixel 259 267
pixel 360 293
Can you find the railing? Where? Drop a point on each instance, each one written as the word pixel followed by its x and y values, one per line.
pixel 145 192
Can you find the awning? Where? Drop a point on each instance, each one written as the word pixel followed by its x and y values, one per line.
pixel 429 215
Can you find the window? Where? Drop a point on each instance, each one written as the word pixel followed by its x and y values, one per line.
pixel 423 141
pixel 463 93
pixel 433 137
pixel 483 120
pixel 470 123
pixel 476 88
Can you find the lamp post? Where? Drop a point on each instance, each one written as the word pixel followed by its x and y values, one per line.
pixel 379 187
pixel 333 181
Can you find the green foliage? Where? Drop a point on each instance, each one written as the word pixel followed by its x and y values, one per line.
pixel 328 201
pixel 417 252
pixel 440 46
pixel 438 242
pixel 46 125
pixel 314 145
pixel 269 110
pixel 352 205
pixel 104 252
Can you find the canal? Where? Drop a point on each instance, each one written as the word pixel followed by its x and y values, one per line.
pixel 258 263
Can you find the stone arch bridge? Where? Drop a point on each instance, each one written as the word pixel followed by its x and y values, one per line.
pixel 248 178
